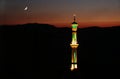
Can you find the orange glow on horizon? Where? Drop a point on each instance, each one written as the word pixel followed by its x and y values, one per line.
pixel 60 23
pixel 89 24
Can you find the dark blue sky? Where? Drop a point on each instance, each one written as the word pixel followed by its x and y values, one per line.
pixel 59 12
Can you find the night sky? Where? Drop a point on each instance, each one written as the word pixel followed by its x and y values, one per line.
pixel 60 12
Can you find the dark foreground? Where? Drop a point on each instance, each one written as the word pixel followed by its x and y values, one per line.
pixel 38 51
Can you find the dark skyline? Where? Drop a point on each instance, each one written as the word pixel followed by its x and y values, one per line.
pixel 59 12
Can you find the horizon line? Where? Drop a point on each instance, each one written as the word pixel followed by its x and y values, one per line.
pixel 80 26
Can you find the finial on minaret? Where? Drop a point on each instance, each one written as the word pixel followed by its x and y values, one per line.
pixel 74 17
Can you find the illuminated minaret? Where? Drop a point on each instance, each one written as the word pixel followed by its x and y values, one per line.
pixel 74 45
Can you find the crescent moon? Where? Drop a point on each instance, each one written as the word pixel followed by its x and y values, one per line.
pixel 26 8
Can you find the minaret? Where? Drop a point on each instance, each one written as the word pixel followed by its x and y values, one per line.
pixel 74 44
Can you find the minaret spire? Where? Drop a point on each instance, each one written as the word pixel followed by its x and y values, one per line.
pixel 74 17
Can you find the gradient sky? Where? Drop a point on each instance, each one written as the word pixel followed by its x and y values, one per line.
pixel 60 12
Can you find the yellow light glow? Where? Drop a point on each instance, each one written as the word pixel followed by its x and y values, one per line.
pixel 74 45
pixel 74 42
pixel 74 29
pixel 73 66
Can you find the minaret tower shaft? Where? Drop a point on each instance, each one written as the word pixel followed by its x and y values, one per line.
pixel 74 45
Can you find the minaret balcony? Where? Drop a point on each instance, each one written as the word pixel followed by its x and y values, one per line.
pixel 74 45
pixel 74 29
